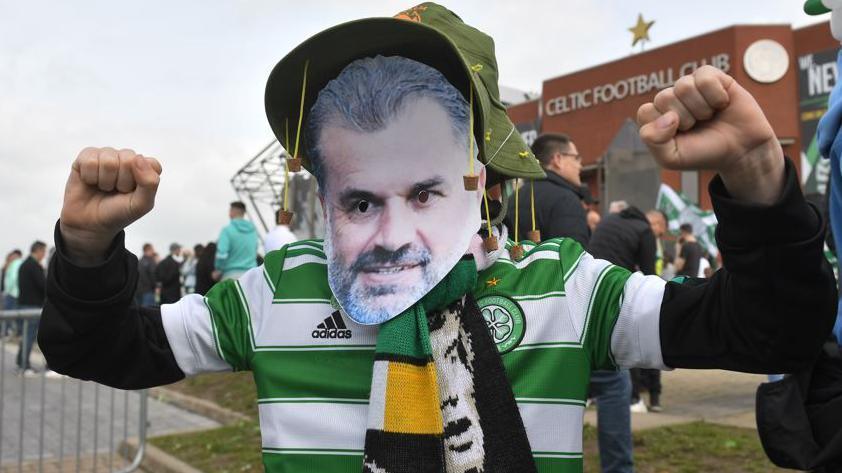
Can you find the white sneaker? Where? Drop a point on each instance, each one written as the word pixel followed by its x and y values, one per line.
pixel 639 407
pixel 29 373
pixel 53 375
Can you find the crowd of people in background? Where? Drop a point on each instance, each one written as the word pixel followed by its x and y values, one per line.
pixel 184 271
pixel 160 280
pixel 23 284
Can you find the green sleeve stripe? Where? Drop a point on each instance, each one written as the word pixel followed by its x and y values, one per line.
pixel 602 315
pixel 245 308
pixel 273 264
pixel 569 249
pixel 268 280
pixel 591 303
pixel 613 325
pixel 572 267
pixel 215 332
pixel 231 324
pixel 570 253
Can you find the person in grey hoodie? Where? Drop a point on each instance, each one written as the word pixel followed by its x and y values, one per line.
pixel 236 250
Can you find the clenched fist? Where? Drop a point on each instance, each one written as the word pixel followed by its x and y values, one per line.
pixel 107 190
pixel 708 121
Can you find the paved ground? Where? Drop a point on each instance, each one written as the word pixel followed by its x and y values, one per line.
pixel 101 463
pixel 76 416
pixel 722 397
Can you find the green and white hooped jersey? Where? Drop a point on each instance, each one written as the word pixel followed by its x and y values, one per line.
pixel 555 315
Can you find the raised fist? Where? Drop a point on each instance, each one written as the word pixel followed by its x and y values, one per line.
pixel 107 190
pixel 708 121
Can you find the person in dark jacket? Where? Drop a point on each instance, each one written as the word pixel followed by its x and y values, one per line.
pixel 168 275
pixel 558 199
pixel 204 269
pixel 32 282
pixel 688 253
pixel 625 239
pixel 146 277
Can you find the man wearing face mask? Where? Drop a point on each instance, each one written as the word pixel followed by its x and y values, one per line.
pixel 488 369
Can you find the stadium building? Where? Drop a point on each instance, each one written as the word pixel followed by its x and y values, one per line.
pixel 789 71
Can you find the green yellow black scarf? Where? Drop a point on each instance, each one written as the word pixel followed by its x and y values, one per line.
pixel 440 400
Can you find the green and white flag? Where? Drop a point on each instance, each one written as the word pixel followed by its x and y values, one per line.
pixel 679 209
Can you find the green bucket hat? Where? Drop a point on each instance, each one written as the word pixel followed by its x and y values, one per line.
pixel 427 33
pixel 815 7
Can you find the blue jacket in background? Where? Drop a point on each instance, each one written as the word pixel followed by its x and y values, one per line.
pixel 829 137
pixel 236 250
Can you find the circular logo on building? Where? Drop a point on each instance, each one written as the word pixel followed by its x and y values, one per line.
pixel 766 61
pixel 505 321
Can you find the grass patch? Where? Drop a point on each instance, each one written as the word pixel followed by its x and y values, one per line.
pixel 688 448
pixel 697 447
pixel 229 449
pixel 235 391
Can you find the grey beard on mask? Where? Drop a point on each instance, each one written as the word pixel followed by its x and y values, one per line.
pixel 366 304
pixel 362 302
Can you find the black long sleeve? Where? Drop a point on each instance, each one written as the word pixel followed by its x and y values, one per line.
pixel 90 329
pixel 773 304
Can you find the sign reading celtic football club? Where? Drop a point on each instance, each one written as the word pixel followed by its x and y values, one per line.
pixel 504 320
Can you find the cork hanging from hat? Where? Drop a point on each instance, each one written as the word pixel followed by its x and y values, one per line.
pixel 516 250
pixel 534 234
pixel 295 163
pixel 292 164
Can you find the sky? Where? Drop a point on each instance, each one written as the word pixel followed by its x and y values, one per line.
pixel 183 82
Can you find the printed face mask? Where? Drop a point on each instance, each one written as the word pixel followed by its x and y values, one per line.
pixel 398 215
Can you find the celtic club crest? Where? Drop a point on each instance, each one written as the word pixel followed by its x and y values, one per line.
pixel 505 321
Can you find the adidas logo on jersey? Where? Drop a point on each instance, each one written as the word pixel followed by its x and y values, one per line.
pixel 332 327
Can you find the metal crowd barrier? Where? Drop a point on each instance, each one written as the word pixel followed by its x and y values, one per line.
pixel 51 423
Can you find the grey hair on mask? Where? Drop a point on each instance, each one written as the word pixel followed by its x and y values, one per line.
pixel 370 92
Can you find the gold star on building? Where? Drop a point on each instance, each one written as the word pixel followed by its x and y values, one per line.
pixel 492 282
pixel 641 30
